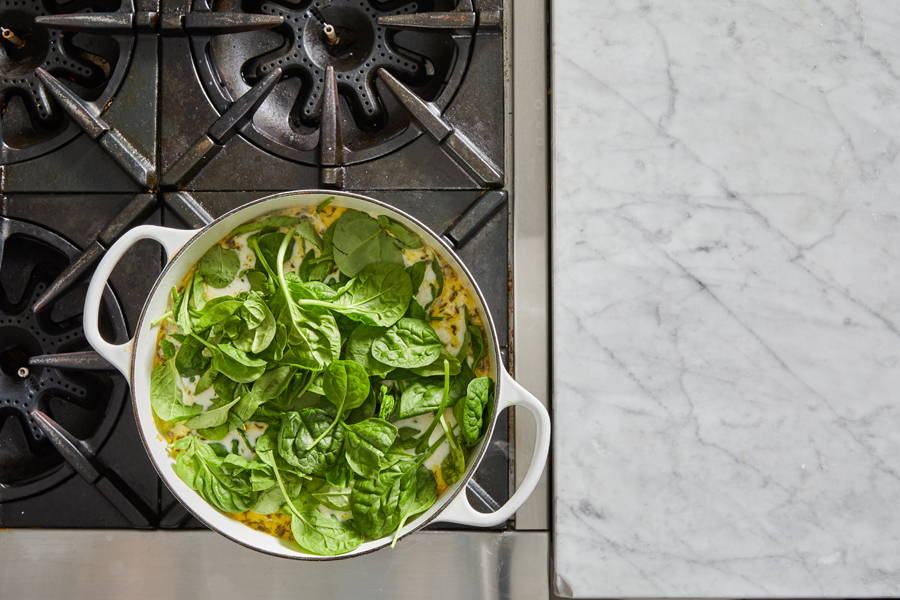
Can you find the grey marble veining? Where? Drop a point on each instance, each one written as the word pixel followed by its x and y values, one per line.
pixel 726 288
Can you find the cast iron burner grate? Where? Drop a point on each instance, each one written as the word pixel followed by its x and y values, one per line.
pixel 31 124
pixel 86 404
pixel 349 37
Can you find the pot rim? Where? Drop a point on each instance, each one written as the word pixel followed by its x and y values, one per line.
pixel 449 495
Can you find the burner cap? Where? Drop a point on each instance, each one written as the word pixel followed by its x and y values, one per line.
pixel 87 404
pixel 345 35
pixel 93 65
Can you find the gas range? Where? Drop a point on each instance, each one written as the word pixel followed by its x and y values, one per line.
pixel 114 114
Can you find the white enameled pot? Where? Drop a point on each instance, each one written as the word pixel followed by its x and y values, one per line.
pixel 135 360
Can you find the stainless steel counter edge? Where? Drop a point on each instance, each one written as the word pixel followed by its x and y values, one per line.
pixel 149 565
pixel 531 223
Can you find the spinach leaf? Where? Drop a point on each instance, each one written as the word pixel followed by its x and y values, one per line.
pixel 335 498
pixel 407 437
pixel 205 381
pixel 358 240
pixel 234 363
pixel 378 296
pixel 420 398
pixel 296 436
pixel 321 534
pixel 260 282
pixel 403 236
pixel 387 405
pixel 340 475
pixel 410 343
pixel 311 331
pixel 211 418
pixel 267 248
pixel 216 311
pixel 308 233
pixel 345 384
pixel 225 388
pixel 168 349
pixel 269 386
pixel 367 442
pixel 166 398
pixel 470 412
pixel 359 349
pixel 437 367
pixel 189 359
pixel 219 266
pixel 259 330
pixel 417 491
pixel 373 506
pixel 183 309
pixel 201 469
pixel 453 467
pixel 269 502
pixel 417 275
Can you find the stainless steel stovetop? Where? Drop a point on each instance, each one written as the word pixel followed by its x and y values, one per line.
pixel 174 112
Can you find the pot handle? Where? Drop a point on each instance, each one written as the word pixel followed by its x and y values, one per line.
pixel 119 355
pixel 512 394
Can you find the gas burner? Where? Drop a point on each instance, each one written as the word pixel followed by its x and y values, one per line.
pixel 350 38
pixel 86 404
pixel 93 66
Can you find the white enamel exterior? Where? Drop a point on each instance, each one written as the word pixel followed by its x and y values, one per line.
pixel 135 360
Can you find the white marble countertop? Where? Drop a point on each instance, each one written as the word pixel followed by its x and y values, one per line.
pixel 726 288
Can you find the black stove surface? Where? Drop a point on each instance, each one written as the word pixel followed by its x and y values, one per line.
pixel 191 110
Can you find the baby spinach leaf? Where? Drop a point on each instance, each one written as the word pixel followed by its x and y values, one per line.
pixel 407 437
pixel 437 367
pixel 470 412
pixel 234 363
pixel 311 331
pixel 166 397
pixel 417 492
pixel 359 349
pixel 340 474
pixel 269 385
pixel 410 343
pixel 345 384
pixel 335 498
pixel 214 433
pixel 373 506
pixel 211 418
pixel 403 236
pixel 225 388
pixel 216 311
pixel 420 398
pixel 308 233
pixel 358 241
pixel 296 436
pixel 168 349
pixel 322 534
pixel 201 469
pixel 269 502
pixel 182 309
pixel 267 247
pixel 205 381
pixel 378 296
pixel 260 282
pixel 453 467
pixel 219 266
pixel 367 442
pixel 387 405
pixel 417 275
